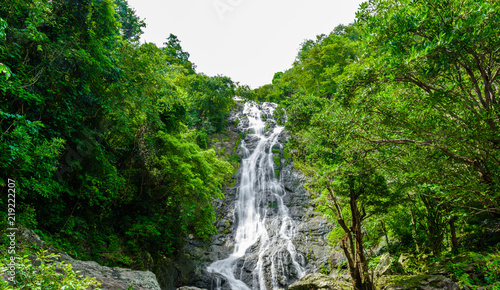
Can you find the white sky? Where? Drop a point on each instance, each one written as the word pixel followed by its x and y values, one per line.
pixel 246 40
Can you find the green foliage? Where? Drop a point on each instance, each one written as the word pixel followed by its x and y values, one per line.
pixel 486 270
pixel 106 138
pixel 175 53
pixel 325 270
pixel 131 25
pixel 277 161
pixel 211 98
pixel 287 155
pixel 45 273
pixel 234 159
pixel 395 120
pixel 372 264
pixel 400 107
pixel 267 127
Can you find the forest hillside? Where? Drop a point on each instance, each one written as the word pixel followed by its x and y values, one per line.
pixel 394 120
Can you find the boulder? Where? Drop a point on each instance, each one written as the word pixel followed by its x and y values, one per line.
pixel 405 261
pixel 110 278
pixel 416 282
pixel 315 281
pixel 386 267
pixel 115 278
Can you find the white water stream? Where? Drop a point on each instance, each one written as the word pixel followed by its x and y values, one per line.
pixel 263 219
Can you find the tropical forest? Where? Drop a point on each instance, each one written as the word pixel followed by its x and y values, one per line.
pixel 373 162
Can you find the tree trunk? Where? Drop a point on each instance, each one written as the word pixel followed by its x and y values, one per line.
pixel 435 227
pixel 414 226
pixel 454 242
pixel 362 280
pixel 386 236
pixel 352 243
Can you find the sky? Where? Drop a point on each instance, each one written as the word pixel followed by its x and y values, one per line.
pixel 246 40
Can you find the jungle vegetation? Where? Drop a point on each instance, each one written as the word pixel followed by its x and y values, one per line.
pixel 395 119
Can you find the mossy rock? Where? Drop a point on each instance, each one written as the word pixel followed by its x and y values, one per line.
pixel 277 161
pixel 416 282
pixel 316 281
pixel 387 266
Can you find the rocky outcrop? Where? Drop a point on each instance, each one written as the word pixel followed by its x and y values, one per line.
pixel 416 282
pixel 315 282
pixel 114 278
pixel 387 267
pixel 390 282
pixel 110 278
pixel 311 229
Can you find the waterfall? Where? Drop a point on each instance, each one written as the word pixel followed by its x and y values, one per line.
pixel 264 256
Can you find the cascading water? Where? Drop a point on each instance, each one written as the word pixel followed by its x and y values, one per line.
pixel 263 238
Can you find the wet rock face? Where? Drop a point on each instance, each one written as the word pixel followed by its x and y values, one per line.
pixel 279 266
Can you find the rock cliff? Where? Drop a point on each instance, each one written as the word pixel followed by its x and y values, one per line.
pixel 310 228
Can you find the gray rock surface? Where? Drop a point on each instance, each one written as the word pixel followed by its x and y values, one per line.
pixel 310 240
pixel 315 281
pixel 110 278
pixel 115 278
pixel 416 282
pixel 386 267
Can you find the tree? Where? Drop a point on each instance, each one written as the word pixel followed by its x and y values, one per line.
pixel 211 99
pixel 97 132
pixel 436 59
pixel 131 25
pixel 348 185
pixel 175 53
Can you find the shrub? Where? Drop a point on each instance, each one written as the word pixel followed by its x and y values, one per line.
pixel 45 276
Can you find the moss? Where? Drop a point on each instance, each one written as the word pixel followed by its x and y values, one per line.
pixel 276 151
pixel 408 281
pixel 286 153
pixel 277 160
pixel 236 145
pixel 277 173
